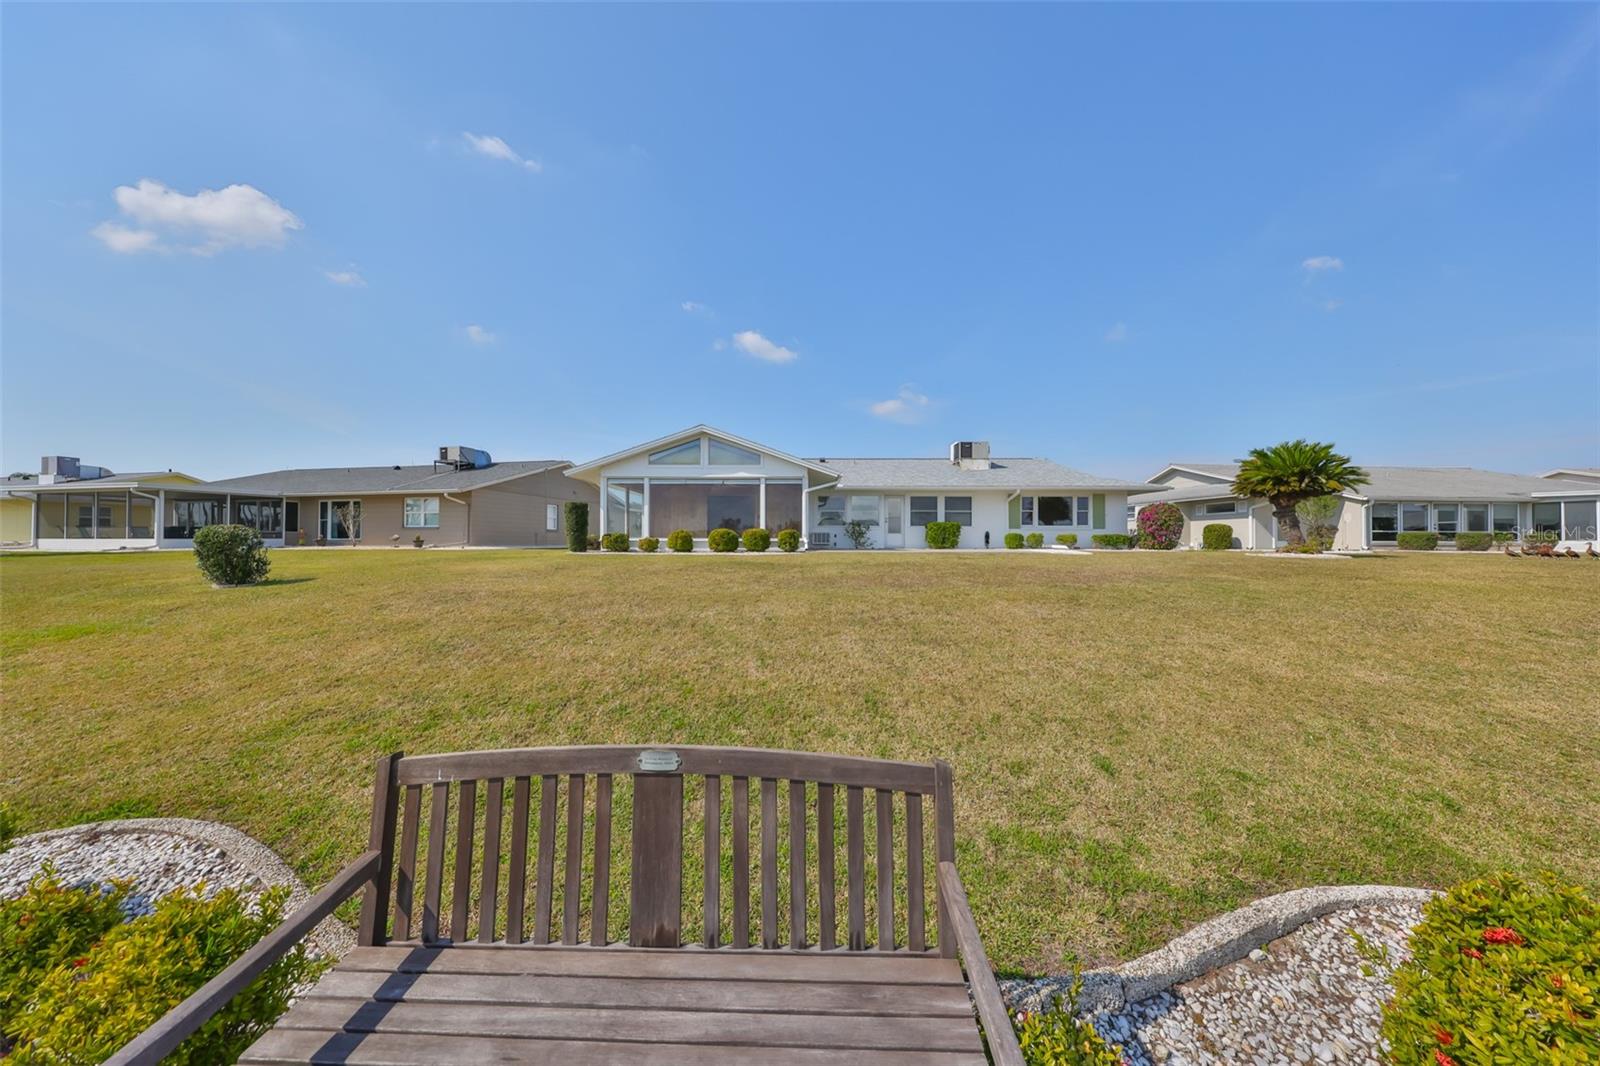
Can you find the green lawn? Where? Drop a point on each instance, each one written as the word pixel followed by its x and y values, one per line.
pixel 1140 741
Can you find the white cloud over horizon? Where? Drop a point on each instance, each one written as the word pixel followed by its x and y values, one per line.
pixel 1319 263
pixel 908 406
pixel 754 344
pixel 350 278
pixel 478 335
pixel 203 223
pixel 496 148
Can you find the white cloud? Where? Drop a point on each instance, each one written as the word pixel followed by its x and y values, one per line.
pixel 478 335
pixel 1117 333
pixel 1318 263
pixel 906 406
pixel 693 306
pixel 752 343
pixel 1332 305
pixel 496 148
pixel 346 277
pixel 239 216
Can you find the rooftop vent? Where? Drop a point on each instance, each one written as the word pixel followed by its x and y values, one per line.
pixel 970 454
pixel 461 457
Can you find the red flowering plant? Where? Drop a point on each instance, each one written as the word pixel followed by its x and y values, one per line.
pixel 1501 970
pixel 1160 526
pixel 49 925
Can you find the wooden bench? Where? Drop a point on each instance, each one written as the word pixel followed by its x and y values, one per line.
pixel 452 968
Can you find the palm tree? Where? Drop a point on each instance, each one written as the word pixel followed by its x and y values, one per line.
pixel 1287 473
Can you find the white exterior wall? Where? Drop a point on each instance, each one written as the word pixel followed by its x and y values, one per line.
pixel 991 514
pixel 639 468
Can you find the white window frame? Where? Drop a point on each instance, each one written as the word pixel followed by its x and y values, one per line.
pixel 552 518
pixel 1206 511
pixel 657 457
pixel 754 460
pixel 945 503
pixel 422 513
pixel 1085 516
pixel 1027 511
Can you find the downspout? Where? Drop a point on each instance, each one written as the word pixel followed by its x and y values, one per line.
pixel 468 506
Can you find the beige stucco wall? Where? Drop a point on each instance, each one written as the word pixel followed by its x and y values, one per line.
pixel 16 520
pixel 1194 525
pixel 512 513
pixel 384 516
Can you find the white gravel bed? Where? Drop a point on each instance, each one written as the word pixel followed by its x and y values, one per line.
pixel 1302 998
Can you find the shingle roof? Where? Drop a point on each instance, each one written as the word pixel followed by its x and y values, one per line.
pixel 377 479
pixel 942 474
pixel 1410 482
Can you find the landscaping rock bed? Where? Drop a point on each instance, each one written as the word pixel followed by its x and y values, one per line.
pixel 162 855
pixel 1304 997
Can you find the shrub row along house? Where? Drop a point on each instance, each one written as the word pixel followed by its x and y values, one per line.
pixel 702 478
pixel 1397 499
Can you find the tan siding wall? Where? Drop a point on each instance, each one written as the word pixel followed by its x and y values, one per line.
pixel 16 521
pixel 384 516
pixel 512 513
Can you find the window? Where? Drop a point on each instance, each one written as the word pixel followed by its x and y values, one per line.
pixel 1414 517
pixel 52 516
pixel 1220 507
pixel 924 509
pixel 1578 521
pixel 552 517
pixel 1083 510
pixel 785 500
pixel 1505 518
pixel 1547 517
pixel 265 516
pixel 1385 522
pixel 421 512
pixel 625 508
pixel 958 509
pixel 701 506
pixel 1027 510
pixel 331 519
pixel 1055 511
pixel 1477 517
pixel 864 509
pixel 291 516
pixel 187 514
pixel 721 453
pixel 112 515
pixel 1445 519
pixel 685 454
pixel 80 515
pixel 830 510
pixel 141 517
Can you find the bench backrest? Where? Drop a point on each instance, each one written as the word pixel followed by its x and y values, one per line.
pixel 681 809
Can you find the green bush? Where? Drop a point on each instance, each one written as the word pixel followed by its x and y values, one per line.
pixel 1417 541
pixel 231 555
pixel 1216 536
pixel 614 542
pixel 1111 540
pixel 1473 542
pixel 1014 540
pixel 1500 971
pixel 756 540
pixel 1035 540
pixel 648 544
pixel 1060 1038
pixel 1160 526
pixel 85 1009
pixel 788 540
pixel 1069 540
pixel 680 540
pixel 942 534
pixel 723 540
pixel 8 827
pixel 46 927
pixel 1504 536
pixel 577 515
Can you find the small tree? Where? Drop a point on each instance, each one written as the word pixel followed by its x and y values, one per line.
pixel 577 515
pixel 1317 517
pixel 1160 526
pixel 231 555
pixel 349 516
pixel 859 532
pixel 1287 473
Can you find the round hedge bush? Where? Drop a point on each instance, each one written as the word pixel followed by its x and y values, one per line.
pixel 1014 540
pixel 1160 526
pixel 723 540
pixel 1111 540
pixel 757 539
pixel 1416 540
pixel 942 534
pixel 648 544
pixel 614 542
pixel 1035 540
pixel 680 540
pixel 231 555
pixel 1067 540
pixel 1216 537
pixel 789 540
pixel 1474 542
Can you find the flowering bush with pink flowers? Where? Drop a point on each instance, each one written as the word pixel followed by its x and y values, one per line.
pixel 1160 526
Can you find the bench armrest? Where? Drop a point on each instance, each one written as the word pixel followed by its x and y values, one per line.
pixel 179 1023
pixel 980 978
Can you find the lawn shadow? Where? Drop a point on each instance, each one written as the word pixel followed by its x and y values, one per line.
pixel 284 581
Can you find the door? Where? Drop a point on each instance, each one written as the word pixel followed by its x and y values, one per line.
pixel 894 522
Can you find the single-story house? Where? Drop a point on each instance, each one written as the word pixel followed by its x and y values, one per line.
pixel 702 478
pixel 72 506
pixel 1445 500
pixel 462 498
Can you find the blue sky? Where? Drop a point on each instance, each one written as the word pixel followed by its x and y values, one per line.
pixel 240 238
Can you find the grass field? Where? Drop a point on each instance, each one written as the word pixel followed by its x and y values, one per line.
pixel 1140 741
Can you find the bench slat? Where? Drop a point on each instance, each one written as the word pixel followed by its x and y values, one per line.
pixel 741 862
pixel 462 893
pixel 572 891
pixel 797 864
pixel 433 885
pixel 713 861
pixel 827 884
pixel 545 874
pixel 856 870
pixel 405 882
pixel 489 887
pixel 916 918
pixel 840 967
pixel 769 862
pixel 600 910
pixel 516 880
pixel 885 823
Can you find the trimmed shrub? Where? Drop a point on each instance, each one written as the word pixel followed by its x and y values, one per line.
pixel 577 516
pixel 1035 540
pixel 1111 540
pixel 756 540
pixel 614 542
pixel 1014 540
pixel 723 540
pixel 942 534
pixel 1216 537
pixel 47 927
pixel 84 1010
pixel 1060 1038
pixel 1069 540
pixel 1500 971
pixel 1417 541
pixel 1504 536
pixel 648 544
pixel 592 542
pixel 231 555
pixel 789 540
pixel 680 540
pixel 1473 542
pixel 1160 526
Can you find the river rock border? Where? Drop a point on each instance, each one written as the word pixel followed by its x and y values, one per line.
pixel 1215 942
pixel 330 937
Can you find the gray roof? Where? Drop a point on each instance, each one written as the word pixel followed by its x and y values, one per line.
pixel 91 484
pixel 1419 483
pixel 1192 492
pixel 381 479
pixel 943 474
